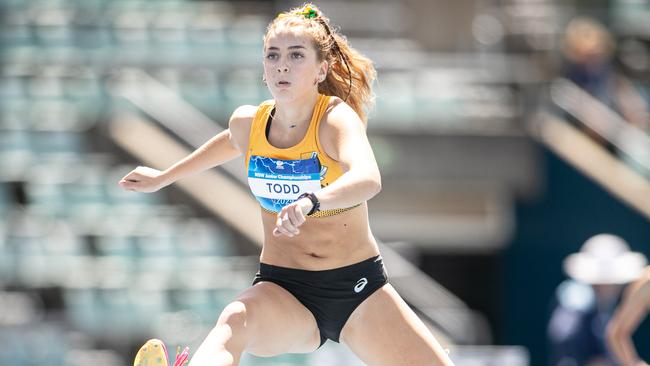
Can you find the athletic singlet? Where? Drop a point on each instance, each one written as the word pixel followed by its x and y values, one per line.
pixel 278 176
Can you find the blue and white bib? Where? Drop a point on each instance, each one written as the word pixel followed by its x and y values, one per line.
pixel 278 182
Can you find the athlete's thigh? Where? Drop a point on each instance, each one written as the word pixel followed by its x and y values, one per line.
pixel 278 321
pixel 383 330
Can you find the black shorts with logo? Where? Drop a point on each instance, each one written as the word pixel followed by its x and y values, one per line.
pixel 332 294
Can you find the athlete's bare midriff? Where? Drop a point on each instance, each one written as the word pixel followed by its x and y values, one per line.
pixel 323 243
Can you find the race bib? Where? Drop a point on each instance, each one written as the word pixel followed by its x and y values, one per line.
pixel 277 183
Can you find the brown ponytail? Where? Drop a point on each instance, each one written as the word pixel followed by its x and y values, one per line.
pixel 350 74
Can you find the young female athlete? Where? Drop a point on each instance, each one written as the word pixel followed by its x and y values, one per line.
pixel 312 169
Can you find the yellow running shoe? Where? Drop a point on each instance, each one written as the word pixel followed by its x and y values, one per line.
pixel 154 353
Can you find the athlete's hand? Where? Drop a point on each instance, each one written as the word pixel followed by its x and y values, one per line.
pixel 143 179
pixel 291 217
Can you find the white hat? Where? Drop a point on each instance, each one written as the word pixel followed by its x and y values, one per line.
pixel 605 259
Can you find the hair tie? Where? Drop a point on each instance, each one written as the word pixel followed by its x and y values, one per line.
pixel 307 12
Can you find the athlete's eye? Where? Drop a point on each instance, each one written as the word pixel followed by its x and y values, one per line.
pixel 272 56
pixel 297 55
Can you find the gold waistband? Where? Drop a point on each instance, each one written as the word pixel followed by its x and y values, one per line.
pixel 323 213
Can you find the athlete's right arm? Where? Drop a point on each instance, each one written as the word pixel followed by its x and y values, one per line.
pixel 220 149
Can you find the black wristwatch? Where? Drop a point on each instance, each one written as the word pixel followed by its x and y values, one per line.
pixel 314 201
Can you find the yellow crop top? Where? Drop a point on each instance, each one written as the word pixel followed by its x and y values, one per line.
pixel 277 176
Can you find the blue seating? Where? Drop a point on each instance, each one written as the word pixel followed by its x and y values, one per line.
pixel 33 344
pixel 82 308
pixel 6 200
pixel 203 237
pixel 116 244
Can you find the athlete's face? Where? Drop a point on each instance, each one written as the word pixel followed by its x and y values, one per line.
pixel 291 65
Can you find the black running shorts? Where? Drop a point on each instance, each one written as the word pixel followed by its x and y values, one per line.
pixel 332 294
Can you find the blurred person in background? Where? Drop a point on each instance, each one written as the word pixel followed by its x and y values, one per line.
pixel 585 302
pixel 321 274
pixel 588 51
pixel 627 317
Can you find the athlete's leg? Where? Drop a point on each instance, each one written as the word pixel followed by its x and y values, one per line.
pixel 265 320
pixel 383 330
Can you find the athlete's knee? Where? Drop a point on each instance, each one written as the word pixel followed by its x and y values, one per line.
pixel 233 322
pixel 234 314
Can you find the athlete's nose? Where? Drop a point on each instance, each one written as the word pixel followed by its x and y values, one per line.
pixel 282 69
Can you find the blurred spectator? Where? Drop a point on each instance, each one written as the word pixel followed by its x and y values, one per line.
pixel 626 319
pixel 585 303
pixel 589 49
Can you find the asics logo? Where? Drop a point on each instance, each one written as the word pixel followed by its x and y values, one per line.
pixel 360 285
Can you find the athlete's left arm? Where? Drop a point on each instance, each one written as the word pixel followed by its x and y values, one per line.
pixel 343 137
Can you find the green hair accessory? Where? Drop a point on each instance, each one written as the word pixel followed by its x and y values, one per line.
pixel 308 13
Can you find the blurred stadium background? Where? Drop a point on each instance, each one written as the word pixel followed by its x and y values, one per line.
pixel 494 168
